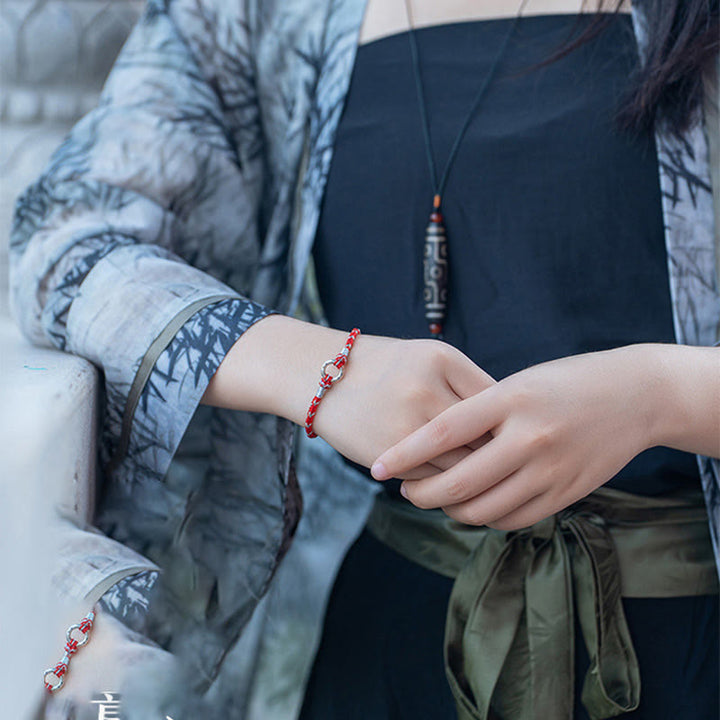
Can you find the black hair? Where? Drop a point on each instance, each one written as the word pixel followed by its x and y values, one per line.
pixel 683 40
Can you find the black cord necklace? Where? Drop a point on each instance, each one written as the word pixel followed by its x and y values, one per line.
pixel 435 262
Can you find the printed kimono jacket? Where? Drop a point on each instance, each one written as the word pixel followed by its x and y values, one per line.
pixel 177 213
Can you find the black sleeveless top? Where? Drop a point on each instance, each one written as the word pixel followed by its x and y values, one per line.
pixel 554 220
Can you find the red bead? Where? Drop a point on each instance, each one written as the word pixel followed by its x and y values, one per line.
pixel 327 380
pixel 435 328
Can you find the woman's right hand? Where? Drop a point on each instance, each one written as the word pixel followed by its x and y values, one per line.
pixel 390 386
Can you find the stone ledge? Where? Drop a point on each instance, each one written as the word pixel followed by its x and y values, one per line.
pixel 48 426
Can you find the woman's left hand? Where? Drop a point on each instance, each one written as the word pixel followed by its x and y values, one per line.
pixel 559 430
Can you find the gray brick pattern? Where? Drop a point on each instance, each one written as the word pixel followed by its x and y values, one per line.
pixel 54 57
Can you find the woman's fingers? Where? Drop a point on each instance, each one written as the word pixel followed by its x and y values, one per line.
pixel 466 378
pixel 515 499
pixel 438 464
pixel 419 473
pixel 459 425
pixel 477 443
pixel 450 458
pixel 480 470
pixel 525 515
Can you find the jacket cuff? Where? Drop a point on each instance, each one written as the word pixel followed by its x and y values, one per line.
pixel 129 599
pixel 174 373
pixel 144 426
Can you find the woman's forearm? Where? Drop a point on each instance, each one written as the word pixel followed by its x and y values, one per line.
pixel 391 386
pixel 686 396
pixel 274 367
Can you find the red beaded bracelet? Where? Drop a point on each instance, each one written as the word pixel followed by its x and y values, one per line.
pixel 327 380
pixel 76 636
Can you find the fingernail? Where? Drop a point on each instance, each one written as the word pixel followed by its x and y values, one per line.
pixel 378 471
pixel 403 491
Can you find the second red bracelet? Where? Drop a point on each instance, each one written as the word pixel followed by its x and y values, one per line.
pixel 327 380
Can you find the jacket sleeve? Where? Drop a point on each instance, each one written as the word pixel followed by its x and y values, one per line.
pixel 136 246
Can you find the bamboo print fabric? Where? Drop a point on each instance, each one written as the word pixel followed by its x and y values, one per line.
pixel 195 185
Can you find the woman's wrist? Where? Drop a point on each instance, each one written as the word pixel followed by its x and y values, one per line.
pixel 682 395
pixel 274 367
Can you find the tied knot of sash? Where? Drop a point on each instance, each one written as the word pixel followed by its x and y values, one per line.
pixel 510 634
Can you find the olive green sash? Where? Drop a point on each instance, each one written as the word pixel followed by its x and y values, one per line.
pixel 509 636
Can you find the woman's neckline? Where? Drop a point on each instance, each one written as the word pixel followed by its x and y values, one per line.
pixel 499 20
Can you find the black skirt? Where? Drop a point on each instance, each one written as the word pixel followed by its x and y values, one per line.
pixel 381 653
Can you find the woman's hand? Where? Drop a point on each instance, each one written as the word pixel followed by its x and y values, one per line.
pixel 559 430
pixel 393 387
pixel 390 387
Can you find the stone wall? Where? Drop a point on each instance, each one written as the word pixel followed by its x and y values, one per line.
pixel 54 57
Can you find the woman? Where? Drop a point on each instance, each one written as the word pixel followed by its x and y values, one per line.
pixel 141 254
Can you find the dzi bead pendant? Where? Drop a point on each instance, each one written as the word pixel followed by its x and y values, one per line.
pixel 436 271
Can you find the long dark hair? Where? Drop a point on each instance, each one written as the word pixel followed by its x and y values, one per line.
pixel 683 38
